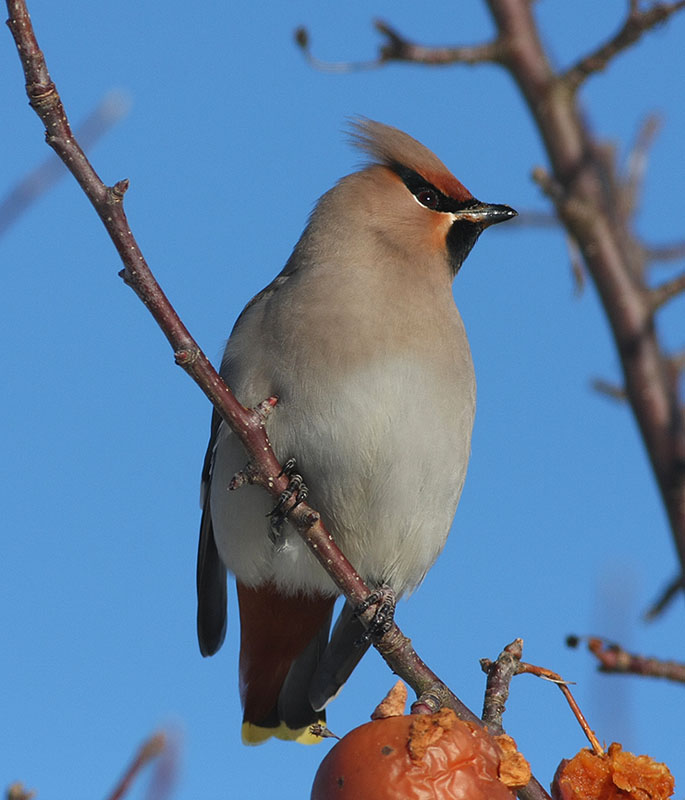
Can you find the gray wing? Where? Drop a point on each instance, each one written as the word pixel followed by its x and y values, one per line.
pixel 211 572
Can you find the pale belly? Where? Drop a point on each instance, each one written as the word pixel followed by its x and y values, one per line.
pixel 384 453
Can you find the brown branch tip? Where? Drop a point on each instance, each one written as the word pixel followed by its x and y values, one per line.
pixel 614 659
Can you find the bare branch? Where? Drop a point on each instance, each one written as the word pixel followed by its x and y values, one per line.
pixel 548 675
pixel 671 591
pixel 611 390
pixel 577 183
pixel 397 48
pixel 113 107
pixel 148 751
pixel 665 253
pixel 16 791
pixel 577 266
pixel 303 41
pixel 636 166
pixel 499 674
pixel 661 294
pixel 613 658
pixel 636 24
pixel 677 362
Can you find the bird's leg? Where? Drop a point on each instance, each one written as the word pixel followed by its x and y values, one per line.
pixel 383 600
pixel 277 515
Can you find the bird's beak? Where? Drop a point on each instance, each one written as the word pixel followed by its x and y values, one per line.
pixel 486 214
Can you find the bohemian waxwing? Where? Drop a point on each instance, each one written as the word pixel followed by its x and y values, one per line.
pixel 360 340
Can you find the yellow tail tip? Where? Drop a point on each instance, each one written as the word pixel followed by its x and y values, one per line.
pixel 255 734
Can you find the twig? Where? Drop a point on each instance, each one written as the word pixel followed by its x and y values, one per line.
pixel 664 600
pixel 397 48
pixel 113 107
pixel 499 674
pixel 670 252
pixel 677 361
pixel 548 675
pixel 636 24
pixel 636 167
pixel 614 659
pixel 303 41
pixel 661 294
pixel 164 771
pixel 577 266
pixel 16 791
pixel 148 751
pixel 247 424
pixel 611 390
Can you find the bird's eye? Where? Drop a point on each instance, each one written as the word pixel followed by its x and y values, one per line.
pixel 428 198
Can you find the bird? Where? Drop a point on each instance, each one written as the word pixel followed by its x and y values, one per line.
pixel 360 340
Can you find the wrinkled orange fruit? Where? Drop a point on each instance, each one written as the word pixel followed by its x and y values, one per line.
pixel 615 775
pixel 415 757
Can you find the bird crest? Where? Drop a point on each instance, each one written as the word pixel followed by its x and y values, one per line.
pixel 395 149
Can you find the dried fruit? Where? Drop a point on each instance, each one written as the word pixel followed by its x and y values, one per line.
pixel 416 757
pixel 614 775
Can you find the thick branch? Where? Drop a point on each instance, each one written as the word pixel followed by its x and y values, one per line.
pixel 610 250
pixel 636 24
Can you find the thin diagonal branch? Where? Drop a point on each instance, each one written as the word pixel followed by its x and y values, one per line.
pixel 669 593
pixel 636 24
pixel 553 677
pixel 151 749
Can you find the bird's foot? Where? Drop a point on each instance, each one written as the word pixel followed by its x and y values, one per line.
pixel 383 601
pixel 277 515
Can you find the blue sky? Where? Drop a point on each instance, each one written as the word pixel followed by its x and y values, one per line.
pixel 230 139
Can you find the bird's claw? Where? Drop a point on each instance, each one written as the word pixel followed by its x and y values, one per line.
pixel 384 600
pixel 277 515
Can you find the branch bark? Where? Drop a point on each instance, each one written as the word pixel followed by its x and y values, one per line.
pixel 636 24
